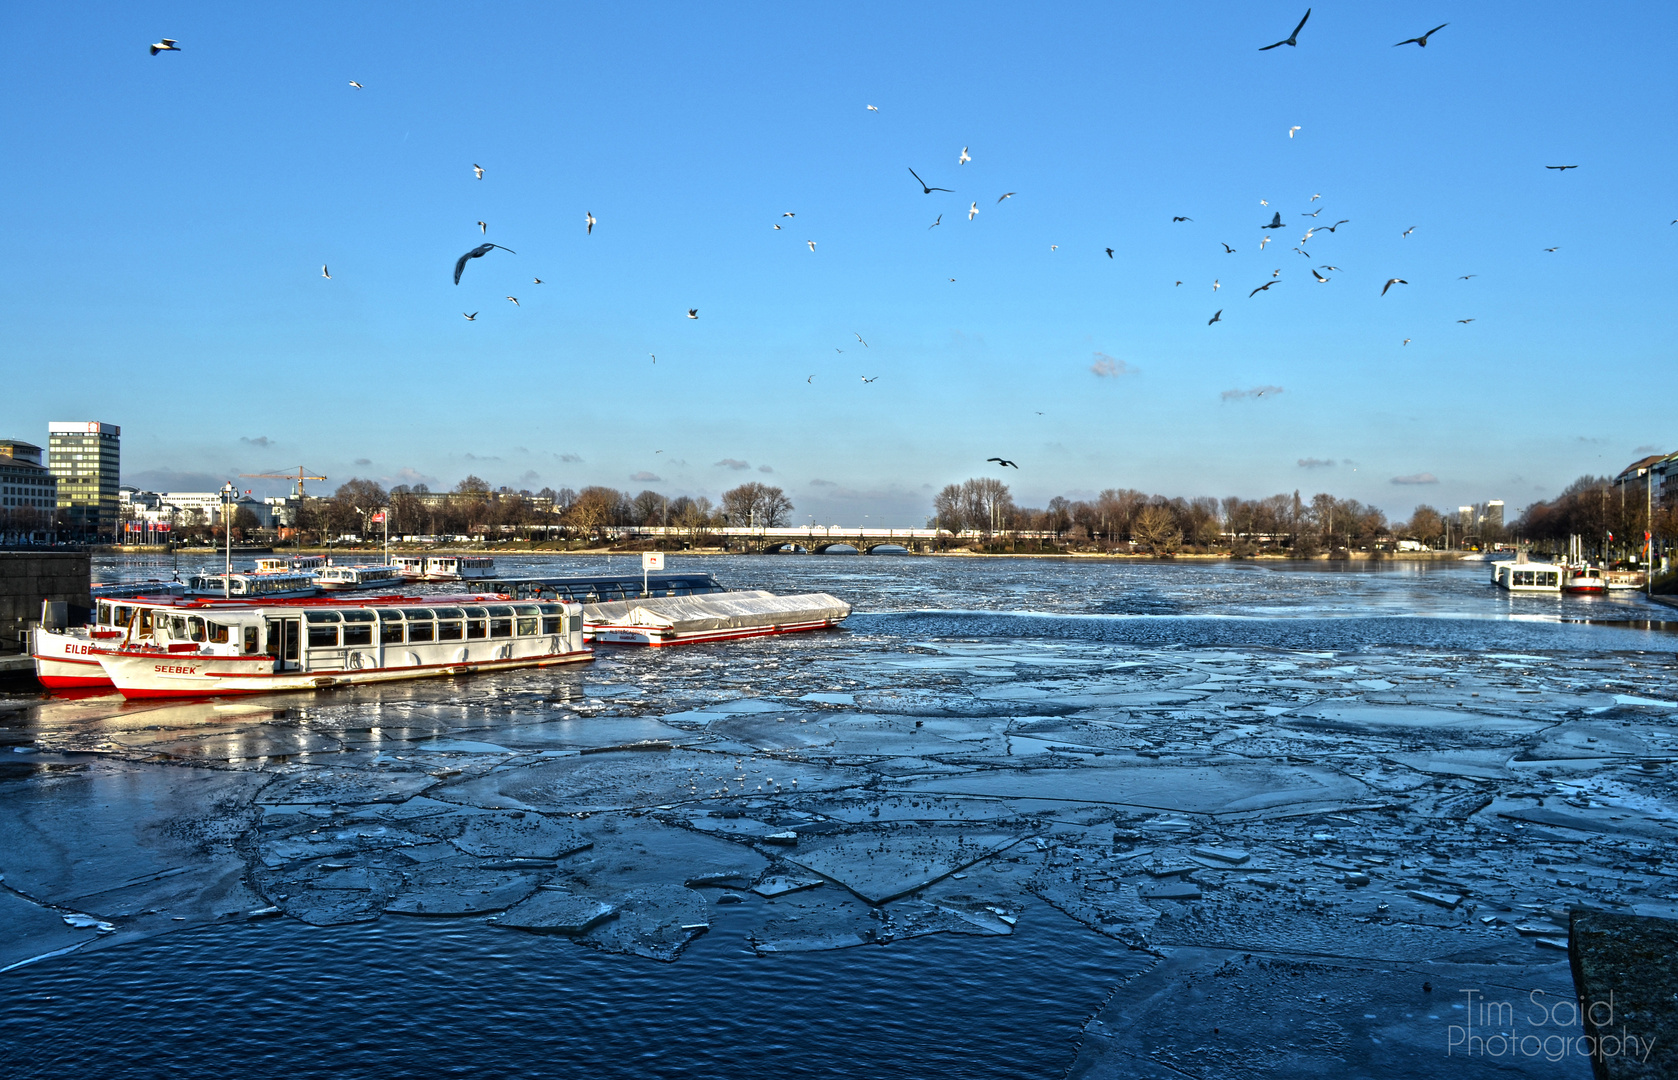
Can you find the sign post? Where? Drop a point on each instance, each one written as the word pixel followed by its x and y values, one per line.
pixel 650 560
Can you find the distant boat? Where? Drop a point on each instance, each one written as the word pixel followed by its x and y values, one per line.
pixel 1584 580
pixel 459 568
pixel 252 586
pixel 345 578
pixel 1518 575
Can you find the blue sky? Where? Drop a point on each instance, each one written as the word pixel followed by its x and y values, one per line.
pixel 169 216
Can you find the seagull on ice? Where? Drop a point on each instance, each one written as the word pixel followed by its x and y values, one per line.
pixel 588 219
pixel 515 300
pixel 355 84
pixel 1291 39
pixel 324 272
pixel 1422 41
pixel 476 253
pixel 1004 462
pixel 972 211
pixel 1217 317
pixel 470 318
pixel 1292 130
pixel 1391 282
pixel 964 159
pixel 166 45
pixel 925 190
pixel 693 313
pixel 479 169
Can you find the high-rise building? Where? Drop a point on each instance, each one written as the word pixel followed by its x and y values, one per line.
pixel 1492 518
pixel 1465 518
pixel 85 457
pixel 28 497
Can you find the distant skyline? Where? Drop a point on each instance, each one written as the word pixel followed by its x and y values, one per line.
pixel 171 216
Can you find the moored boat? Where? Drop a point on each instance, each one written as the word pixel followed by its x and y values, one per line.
pixel 411 567
pixel 348 578
pixel 265 648
pixel 725 616
pixel 1519 575
pixel 459 568
pixel 1583 580
pixel 252 586
pixel 307 564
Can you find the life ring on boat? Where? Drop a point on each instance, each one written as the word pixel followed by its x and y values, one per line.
pixel 460 655
pixel 353 661
pixel 505 652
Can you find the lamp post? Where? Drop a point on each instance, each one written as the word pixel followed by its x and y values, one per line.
pixel 227 492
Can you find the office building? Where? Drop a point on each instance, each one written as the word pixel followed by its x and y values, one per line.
pixel 85 458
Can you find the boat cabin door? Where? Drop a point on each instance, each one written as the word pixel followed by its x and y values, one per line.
pixel 284 643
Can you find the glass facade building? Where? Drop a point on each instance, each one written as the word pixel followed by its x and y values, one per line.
pixel 85 457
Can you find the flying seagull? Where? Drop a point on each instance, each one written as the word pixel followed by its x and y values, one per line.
pixel 483 227
pixel 859 338
pixel 934 225
pixel 1465 277
pixel 812 378
pixel 479 169
pixel 355 84
pixel 1391 282
pixel 1465 321
pixel 777 228
pixel 654 356
pixel 324 272
pixel 1406 341
pixel 537 281
pixel 515 300
pixel 166 45
pixel 1262 288
pixel 1315 197
pixel 1561 168
pixel 1422 41
pixel 1004 462
pixel 1009 195
pixel 1275 222
pixel 1054 247
pixel 588 219
pixel 964 159
pixel 1315 212
pixel 1109 253
pixel 476 253
pixel 1291 39
pixel 873 108
pixel 1292 130
pixel 924 189
pixel 1553 249
pixel 1217 317
pixel 693 313
pixel 1337 224
pixel 812 244
pixel 867 379
pixel 1227 249
pixel 1264 202
pixel 1335 269
pixel 1263 240
pixel 1410 230
pixel 1215 285
pixel 1318 276
pixel 974 209
pixel 789 213
pixel 1175 219
pixel 470 318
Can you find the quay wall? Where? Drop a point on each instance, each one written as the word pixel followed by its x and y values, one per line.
pixel 27 578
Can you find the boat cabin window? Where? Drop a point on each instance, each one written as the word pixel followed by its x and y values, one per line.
pixel 500 622
pixel 449 626
pixel 323 629
pixel 475 617
pixel 250 641
pixel 218 633
pixel 553 619
pixel 529 621
pixel 420 626
pixel 390 627
pixel 145 621
pixel 358 627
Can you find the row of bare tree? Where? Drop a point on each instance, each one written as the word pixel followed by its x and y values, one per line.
pixel 1609 520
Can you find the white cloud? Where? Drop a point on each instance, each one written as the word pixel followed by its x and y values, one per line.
pixel 1108 368
pixel 1253 394
pixel 1416 478
pixel 733 463
pixel 1315 463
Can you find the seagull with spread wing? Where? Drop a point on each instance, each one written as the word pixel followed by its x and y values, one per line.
pixel 165 45
pixel 1004 462
pixel 1422 41
pixel 476 253
pixel 925 190
pixel 1293 38
pixel 1391 282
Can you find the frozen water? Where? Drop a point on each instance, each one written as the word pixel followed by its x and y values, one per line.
pixel 1363 780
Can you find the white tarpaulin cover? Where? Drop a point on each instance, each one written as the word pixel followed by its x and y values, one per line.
pixel 741 610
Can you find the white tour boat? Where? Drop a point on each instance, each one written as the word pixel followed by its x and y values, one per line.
pixel 459 568
pixel 346 578
pixel 264 648
pixel 1518 575
pixel 307 564
pixel 1584 580
pixel 411 567
pixel 252 586
pixel 67 657
pixel 721 616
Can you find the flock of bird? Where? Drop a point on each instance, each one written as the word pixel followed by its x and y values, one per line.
pixel 964 157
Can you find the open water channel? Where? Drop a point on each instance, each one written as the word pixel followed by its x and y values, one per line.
pixel 1018 818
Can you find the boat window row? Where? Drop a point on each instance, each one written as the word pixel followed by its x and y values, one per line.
pixel 345 628
pixel 604 590
pixel 1535 577
pixel 180 627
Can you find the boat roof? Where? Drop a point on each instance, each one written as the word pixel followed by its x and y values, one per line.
pixel 216 603
pixel 609 579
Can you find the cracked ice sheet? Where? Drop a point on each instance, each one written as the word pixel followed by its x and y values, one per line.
pixel 1197 789
pixel 880 865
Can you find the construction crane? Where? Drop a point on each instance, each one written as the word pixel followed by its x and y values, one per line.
pixel 302 475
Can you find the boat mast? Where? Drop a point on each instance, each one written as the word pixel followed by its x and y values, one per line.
pixel 227 534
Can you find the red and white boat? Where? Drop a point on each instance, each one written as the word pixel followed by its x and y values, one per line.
pixel 1584 580
pixel 67 658
pixel 173 651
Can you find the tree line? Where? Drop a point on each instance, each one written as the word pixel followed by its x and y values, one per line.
pixel 1609 520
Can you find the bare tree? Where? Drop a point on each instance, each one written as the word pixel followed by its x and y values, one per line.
pixel 756 504
pixel 1155 528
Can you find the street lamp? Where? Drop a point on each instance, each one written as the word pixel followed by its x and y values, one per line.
pixel 227 493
